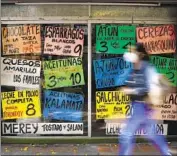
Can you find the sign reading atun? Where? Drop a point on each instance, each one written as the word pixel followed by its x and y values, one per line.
pixel 42 128
pixel 114 39
pixel 63 73
pixel 21 104
pixel 112 104
pixel 21 39
pixel 20 72
pixel 116 129
pixel 63 41
pixel 166 66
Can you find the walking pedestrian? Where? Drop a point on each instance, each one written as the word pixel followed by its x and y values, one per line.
pixel 139 83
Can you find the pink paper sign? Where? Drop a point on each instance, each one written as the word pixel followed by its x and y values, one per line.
pixel 63 41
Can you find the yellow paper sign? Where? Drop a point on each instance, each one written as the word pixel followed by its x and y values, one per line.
pixel 112 104
pixel 22 39
pixel 21 104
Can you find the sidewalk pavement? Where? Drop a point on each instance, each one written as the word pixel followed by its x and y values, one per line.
pixel 78 149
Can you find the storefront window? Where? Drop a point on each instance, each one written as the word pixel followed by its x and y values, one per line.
pixel 44 79
pixel 109 71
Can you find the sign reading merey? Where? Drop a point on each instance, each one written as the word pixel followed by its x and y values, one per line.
pixel 22 39
pixel 63 41
pixel 158 39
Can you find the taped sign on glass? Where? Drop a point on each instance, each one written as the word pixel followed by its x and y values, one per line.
pixel 116 129
pixel 114 39
pixel 112 104
pixel 21 104
pixel 157 39
pixel 42 128
pixel 63 106
pixel 63 73
pixel 111 72
pixel 63 41
pixel 167 66
pixel 168 110
pixel 20 73
pixel 22 39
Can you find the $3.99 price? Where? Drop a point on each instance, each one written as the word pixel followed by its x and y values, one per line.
pixel 73 79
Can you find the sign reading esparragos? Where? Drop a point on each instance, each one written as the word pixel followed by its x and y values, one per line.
pixel 42 128
pixel 116 129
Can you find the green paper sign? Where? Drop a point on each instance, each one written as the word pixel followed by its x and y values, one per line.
pixel 63 73
pixel 114 39
pixel 166 66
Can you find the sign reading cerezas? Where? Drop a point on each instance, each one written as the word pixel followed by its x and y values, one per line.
pixel 22 39
pixel 166 66
pixel 116 129
pixel 42 128
pixel 21 104
pixel 63 106
pixel 112 104
pixel 111 72
pixel 63 73
pixel 114 39
pixel 63 41
pixel 168 110
pixel 157 39
pixel 20 73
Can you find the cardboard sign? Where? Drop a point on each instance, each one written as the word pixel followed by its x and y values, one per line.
pixel 112 104
pixel 21 104
pixel 168 110
pixel 116 129
pixel 157 39
pixel 63 41
pixel 22 39
pixel 166 66
pixel 63 73
pixel 63 106
pixel 42 128
pixel 114 39
pixel 20 72
pixel 111 72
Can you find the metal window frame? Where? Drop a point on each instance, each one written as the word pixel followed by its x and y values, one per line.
pixel 89 23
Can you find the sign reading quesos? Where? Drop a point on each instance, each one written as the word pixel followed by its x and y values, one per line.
pixel 63 41
pixel 20 72
pixel 22 39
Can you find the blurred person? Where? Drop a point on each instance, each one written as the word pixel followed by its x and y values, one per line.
pixel 142 81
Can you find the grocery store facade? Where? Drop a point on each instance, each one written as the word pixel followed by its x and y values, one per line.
pixel 63 63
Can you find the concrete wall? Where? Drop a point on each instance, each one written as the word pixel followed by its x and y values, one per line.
pixel 42 12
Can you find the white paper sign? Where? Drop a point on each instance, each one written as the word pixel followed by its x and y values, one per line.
pixel 116 129
pixel 42 128
pixel 20 72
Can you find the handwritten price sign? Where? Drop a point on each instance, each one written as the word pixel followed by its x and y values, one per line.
pixel 21 104
pixel 63 73
pixel 114 39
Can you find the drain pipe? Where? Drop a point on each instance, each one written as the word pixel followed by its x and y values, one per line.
pixel 97 4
